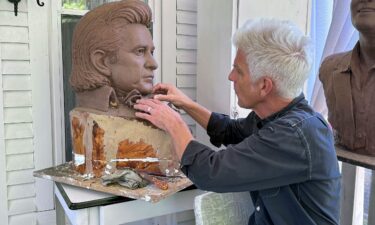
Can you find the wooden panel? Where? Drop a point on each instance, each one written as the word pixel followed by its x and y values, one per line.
pixel 14 34
pixel 17 98
pixel 21 191
pixel 20 177
pixel 47 217
pixel 3 186
pixel 20 130
pixel 186 69
pixel 16 82
pixel 21 206
pixel 19 146
pixel 8 18
pixel 17 115
pixel 188 56
pixel 168 64
pixel 185 216
pixel 29 219
pixel 15 51
pixel 187 29
pixel 20 162
pixel 190 92
pixel 188 5
pixel 5 5
pixel 16 67
pixel 186 81
pixel 186 42
pixel 186 17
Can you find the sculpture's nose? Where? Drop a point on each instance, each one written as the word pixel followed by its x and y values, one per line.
pixel 151 62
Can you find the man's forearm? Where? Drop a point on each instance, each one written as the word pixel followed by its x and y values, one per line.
pixel 181 136
pixel 198 113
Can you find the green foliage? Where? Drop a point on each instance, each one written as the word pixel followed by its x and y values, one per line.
pixel 69 4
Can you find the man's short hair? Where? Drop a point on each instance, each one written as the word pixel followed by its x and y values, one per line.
pixel 276 49
pixel 101 29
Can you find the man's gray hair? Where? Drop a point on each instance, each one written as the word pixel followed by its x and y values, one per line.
pixel 278 50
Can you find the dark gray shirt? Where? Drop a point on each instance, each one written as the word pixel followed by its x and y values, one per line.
pixel 287 162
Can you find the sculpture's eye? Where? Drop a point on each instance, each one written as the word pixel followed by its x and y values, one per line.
pixel 152 52
pixel 140 51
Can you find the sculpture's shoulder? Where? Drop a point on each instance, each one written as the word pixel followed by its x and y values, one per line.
pixel 332 63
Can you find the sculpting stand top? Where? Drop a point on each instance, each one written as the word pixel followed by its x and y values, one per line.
pixel 355 159
pixel 96 208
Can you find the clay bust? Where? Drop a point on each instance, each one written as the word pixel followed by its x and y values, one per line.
pixel 349 85
pixel 113 62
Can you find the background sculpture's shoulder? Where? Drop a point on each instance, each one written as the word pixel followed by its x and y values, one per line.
pixel 333 62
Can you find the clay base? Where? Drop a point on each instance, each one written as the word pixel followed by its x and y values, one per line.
pixel 103 143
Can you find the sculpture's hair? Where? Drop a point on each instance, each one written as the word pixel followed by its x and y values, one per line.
pixel 101 29
pixel 276 49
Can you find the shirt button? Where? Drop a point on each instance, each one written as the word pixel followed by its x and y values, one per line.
pixel 258 208
pixel 360 135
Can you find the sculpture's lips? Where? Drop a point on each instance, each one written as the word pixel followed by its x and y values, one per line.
pixel 149 78
pixel 366 10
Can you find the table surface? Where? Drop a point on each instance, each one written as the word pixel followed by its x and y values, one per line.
pixel 89 207
pixel 355 159
pixel 80 198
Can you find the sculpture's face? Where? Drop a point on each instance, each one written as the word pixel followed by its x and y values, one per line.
pixel 135 62
pixel 363 15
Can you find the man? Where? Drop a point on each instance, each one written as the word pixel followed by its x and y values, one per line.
pixel 282 153
pixel 113 60
pixel 349 82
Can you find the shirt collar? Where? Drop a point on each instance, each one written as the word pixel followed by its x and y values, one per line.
pixel 346 65
pixel 292 104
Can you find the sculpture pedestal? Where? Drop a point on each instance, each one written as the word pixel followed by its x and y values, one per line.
pixel 104 143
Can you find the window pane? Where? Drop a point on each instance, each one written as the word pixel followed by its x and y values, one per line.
pixel 74 4
pixel 68 23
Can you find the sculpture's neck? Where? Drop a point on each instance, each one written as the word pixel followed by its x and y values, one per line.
pixel 128 98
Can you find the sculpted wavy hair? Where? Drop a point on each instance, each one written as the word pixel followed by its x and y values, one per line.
pixel 100 29
pixel 276 49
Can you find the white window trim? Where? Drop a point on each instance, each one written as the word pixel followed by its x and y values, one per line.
pixel 41 111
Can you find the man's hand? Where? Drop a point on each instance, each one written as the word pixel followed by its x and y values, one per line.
pixel 169 93
pixel 166 119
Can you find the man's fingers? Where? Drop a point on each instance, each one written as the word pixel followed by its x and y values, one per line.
pixel 167 98
pixel 160 88
pixel 144 116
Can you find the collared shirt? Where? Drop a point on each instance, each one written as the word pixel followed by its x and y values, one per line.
pixel 287 162
pixel 103 100
pixel 349 93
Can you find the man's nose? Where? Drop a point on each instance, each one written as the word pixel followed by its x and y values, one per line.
pixel 230 76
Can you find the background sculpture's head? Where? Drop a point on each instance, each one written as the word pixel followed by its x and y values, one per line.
pixel 113 46
pixel 363 15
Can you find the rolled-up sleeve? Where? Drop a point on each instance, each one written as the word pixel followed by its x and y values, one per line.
pixel 224 130
pixel 274 156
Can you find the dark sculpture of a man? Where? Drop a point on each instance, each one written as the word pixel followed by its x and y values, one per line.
pixel 349 85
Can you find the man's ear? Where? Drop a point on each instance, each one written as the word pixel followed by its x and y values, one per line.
pixel 266 86
pixel 100 60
